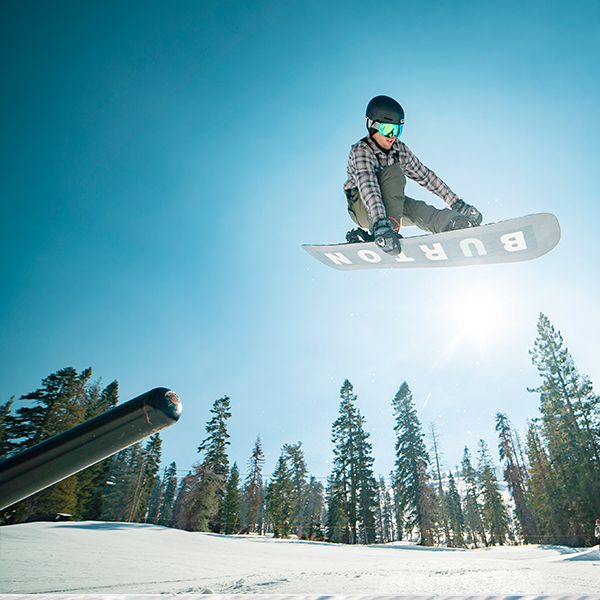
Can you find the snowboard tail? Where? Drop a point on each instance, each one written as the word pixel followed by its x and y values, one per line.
pixel 514 240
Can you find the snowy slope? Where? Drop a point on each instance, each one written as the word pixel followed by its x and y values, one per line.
pixel 109 558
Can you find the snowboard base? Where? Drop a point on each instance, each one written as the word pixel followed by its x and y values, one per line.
pixel 513 240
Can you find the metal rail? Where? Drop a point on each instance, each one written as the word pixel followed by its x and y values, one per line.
pixel 67 453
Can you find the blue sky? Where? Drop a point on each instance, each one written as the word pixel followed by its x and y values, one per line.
pixel 162 163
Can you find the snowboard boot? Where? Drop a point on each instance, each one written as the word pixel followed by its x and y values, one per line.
pixel 358 235
pixel 458 222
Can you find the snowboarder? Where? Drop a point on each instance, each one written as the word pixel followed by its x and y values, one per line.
pixel 597 533
pixel 377 169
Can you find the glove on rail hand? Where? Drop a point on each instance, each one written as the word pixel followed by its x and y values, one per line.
pixel 461 207
pixel 386 238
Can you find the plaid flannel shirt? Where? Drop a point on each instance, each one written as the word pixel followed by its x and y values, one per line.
pixel 367 159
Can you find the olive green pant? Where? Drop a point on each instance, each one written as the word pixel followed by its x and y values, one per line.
pixel 400 209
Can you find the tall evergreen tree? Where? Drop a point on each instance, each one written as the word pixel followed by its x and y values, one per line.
pixel 58 405
pixel 4 414
pixel 178 501
pixel 515 475
pixel 298 474
pixel 314 510
pixel 414 497
pixel 215 444
pixel 441 496
pixel 65 399
pixel 153 503
pixel 456 520
pixel 279 500
pixel 549 499
pixel 337 526
pixel 132 479
pixel 352 481
pixel 570 431
pixel 200 499
pixel 367 490
pixel 232 503
pixel 474 525
pixel 145 479
pixel 385 513
pixel 125 469
pixel 253 489
pixel 167 497
pixel 494 510
pixel 91 481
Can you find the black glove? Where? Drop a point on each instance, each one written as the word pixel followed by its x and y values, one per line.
pixel 386 238
pixel 461 207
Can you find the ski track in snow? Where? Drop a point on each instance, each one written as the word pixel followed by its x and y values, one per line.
pixel 128 558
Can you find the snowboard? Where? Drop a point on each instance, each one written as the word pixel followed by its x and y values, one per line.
pixel 513 240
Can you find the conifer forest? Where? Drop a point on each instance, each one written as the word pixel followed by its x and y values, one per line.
pixel 545 489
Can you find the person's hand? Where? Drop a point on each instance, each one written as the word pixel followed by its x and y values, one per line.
pixel 386 238
pixel 461 207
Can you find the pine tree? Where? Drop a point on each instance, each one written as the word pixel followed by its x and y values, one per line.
pixel 367 490
pixel 456 520
pixel 215 444
pixel 474 525
pixel 549 498
pixel 198 499
pixel 385 513
pixel 230 513
pixel 337 526
pixel 65 399
pixel 125 469
pixel 91 481
pixel 178 501
pixel 413 494
pixel 352 483
pixel 379 527
pixel 58 405
pixel 298 474
pixel 132 479
pixel 167 498
pixel 494 510
pixel 153 503
pixel 146 479
pixel 314 510
pixel 279 500
pixel 216 462
pixel 441 496
pixel 4 414
pixel 253 490
pixel 570 432
pixel 515 475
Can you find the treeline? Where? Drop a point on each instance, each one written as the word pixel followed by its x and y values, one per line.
pixel 65 399
pixel 552 479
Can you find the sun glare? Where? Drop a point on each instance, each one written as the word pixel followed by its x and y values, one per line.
pixel 481 310
pixel 479 316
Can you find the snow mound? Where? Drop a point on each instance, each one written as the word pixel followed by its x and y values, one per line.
pixel 588 554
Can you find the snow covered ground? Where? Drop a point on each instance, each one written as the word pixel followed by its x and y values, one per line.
pixel 124 558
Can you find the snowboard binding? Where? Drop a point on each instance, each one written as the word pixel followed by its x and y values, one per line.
pixel 358 236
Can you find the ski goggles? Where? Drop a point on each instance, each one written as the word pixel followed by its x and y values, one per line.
pixel 389 129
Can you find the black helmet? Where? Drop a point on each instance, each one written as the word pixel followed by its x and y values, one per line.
pixel 385 110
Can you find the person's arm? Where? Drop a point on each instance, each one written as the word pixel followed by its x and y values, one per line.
pixel 425 177
pixel 362 163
